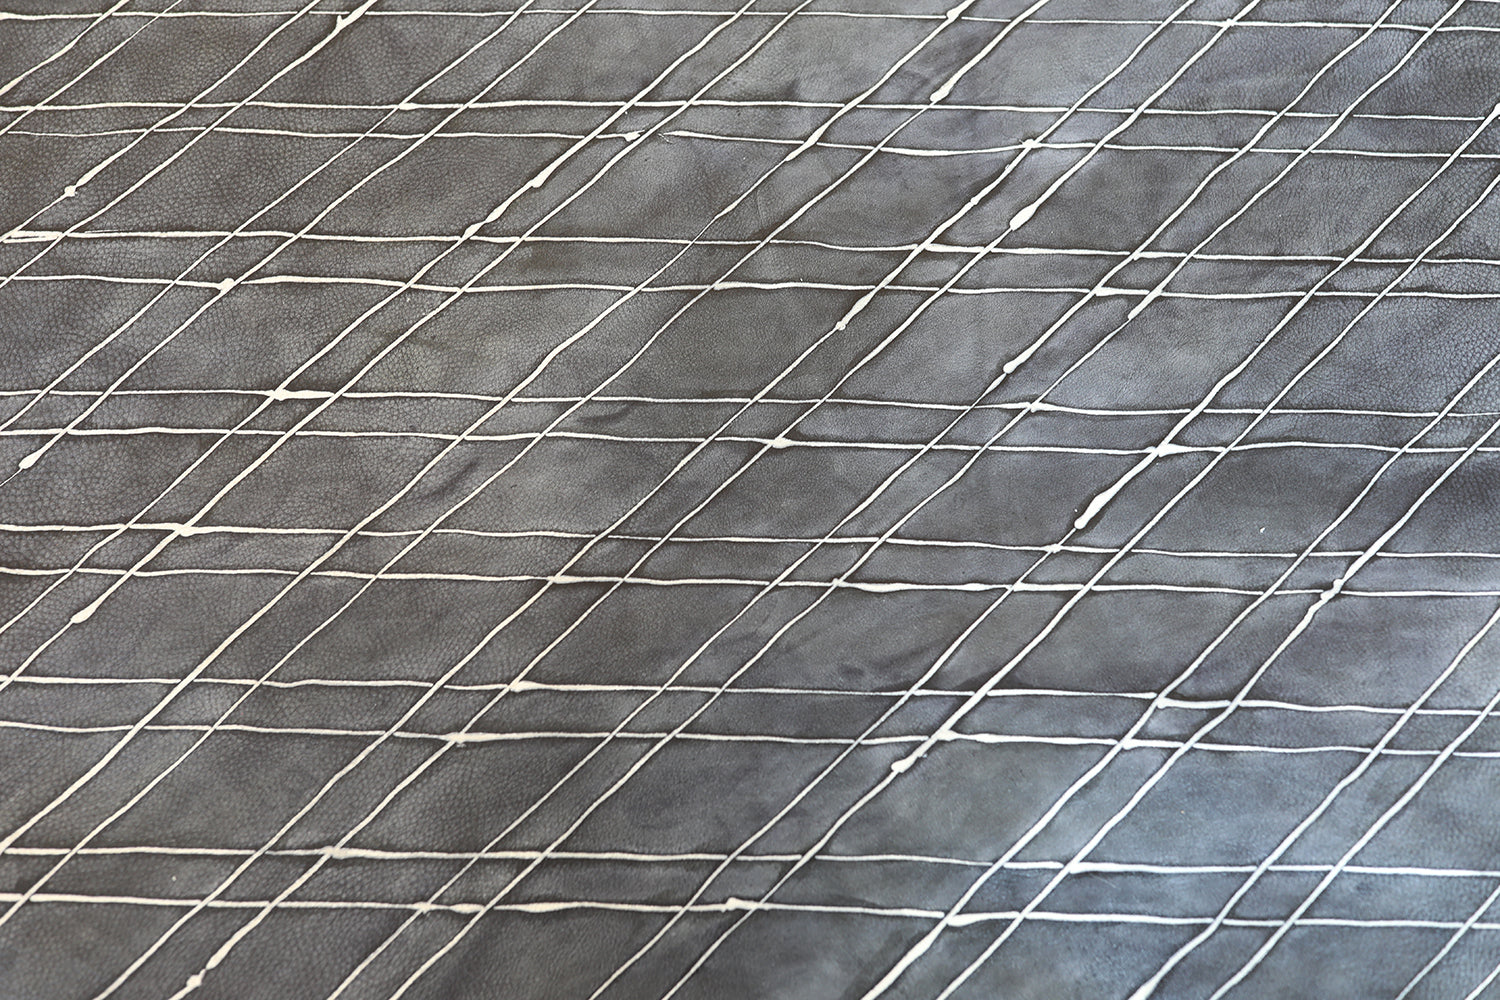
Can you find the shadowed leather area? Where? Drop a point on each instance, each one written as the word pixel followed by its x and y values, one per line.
pixel 850 499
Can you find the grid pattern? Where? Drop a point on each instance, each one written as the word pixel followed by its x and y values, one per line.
pixel 835 498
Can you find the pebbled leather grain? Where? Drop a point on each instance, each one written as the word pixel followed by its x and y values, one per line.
pixel 672 498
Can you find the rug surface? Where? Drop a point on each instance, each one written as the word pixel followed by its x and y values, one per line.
pixel 646 499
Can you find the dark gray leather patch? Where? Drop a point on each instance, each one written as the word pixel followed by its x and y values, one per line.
pixel 645 499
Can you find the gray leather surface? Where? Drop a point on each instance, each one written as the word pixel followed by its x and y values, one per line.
pixel 663 498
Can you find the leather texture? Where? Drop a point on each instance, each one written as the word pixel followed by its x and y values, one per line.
pixel 633 499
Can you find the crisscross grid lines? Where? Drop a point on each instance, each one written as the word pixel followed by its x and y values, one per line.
pixel 823 499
